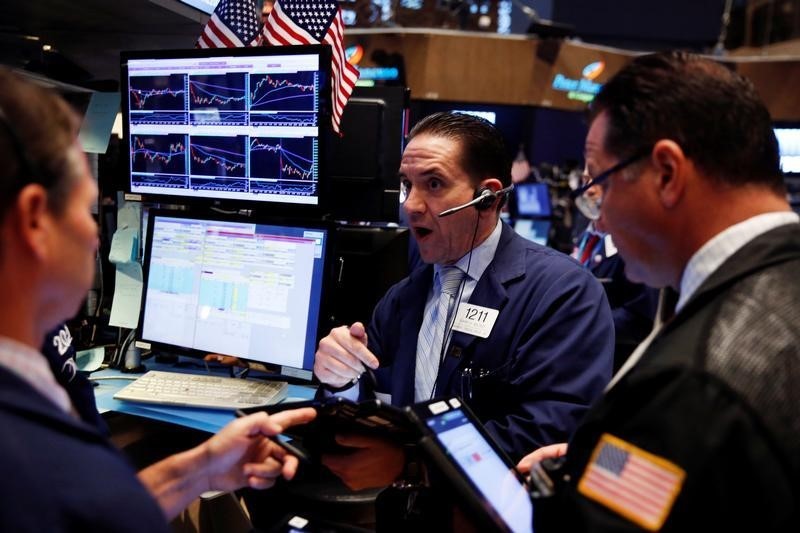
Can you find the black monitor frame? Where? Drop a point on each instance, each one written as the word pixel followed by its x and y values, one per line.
pixel 323 324
pixel 257 202
pixel 364 162
pixel 379 254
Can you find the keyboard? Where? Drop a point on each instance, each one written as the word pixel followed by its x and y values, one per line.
pixel 197 390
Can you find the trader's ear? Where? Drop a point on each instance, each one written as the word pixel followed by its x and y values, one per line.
pixel 32 219
pixel 671 165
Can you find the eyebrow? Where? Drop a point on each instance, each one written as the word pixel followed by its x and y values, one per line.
pixel 431 172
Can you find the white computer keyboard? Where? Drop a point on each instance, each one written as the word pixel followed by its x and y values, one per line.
pixel 195 390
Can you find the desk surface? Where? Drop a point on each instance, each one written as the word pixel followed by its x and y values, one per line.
pixel 210 420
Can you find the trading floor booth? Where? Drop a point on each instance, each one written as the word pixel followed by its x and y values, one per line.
pixel 259 229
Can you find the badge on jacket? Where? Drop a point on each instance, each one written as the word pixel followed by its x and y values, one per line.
pixel 475 319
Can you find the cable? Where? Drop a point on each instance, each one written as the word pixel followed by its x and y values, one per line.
pixel 118 361
pixel 451 318
pixel 100 296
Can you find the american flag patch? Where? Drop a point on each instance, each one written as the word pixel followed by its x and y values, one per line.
pixel 636 484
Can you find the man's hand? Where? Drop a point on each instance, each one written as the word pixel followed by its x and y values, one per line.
pixel 242 455
pixel 227 360
pixel 545 452
pixel 342 355
pixel 372 463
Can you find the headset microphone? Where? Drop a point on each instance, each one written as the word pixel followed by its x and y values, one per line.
pixel 484 198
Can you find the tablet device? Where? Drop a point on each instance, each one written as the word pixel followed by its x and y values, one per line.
pixel 457 444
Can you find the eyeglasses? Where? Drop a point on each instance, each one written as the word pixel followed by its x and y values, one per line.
pixel 590 205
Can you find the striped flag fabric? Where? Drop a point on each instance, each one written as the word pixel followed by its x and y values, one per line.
pixel 315 22
pixel 234 24
pixel 633 482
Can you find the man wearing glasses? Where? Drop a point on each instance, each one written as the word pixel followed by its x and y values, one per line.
pixel 633 305
pixel 700 429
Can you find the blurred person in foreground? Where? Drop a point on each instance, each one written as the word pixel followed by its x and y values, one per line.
pixel 58 471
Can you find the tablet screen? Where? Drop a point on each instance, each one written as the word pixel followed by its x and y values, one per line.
pixel 496 482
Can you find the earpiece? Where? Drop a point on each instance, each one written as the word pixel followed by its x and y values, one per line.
pixel 485 197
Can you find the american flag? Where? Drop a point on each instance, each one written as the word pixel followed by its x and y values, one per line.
pixel 313 22
pixel 636 484
pixel 234 23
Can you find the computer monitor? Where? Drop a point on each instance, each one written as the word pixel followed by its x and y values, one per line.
pixel 365 159
pixel 532 200
pixel 216 284
pixel 537 231
pixel 789 148
pixel 228 126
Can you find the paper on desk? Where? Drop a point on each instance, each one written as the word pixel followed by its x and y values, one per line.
pixel 127 296
pixel 91 359
pixel 129 215
pixel 98 121
pixel 123 246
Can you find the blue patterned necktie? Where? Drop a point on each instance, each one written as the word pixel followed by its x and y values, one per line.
pixel 433 332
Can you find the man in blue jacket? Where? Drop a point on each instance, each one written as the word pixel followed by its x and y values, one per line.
pixel 540 348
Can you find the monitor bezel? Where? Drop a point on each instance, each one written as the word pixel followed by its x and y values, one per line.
pixel 302 374
pixel 358 197
pixel 276 208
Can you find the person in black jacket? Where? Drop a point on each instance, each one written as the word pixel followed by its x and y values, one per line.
pixel 700 429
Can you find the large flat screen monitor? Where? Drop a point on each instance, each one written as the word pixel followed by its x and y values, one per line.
pixel 215 284
pixel 228 126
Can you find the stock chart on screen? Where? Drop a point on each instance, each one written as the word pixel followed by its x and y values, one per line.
pixel 225 127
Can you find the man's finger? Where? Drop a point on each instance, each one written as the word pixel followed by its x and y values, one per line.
pixel 290 464
pixel 293 417
pixel 338 349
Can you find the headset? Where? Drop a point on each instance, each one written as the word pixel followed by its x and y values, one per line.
pixel 483 199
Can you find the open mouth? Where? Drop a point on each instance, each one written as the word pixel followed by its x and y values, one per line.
pixel 421 232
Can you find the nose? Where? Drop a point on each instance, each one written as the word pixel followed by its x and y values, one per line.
pixel 594 193
pixel 414 203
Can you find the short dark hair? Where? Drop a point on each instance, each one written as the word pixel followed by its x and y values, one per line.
pixel 37 130
pixel 712 112
pixel 483 150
